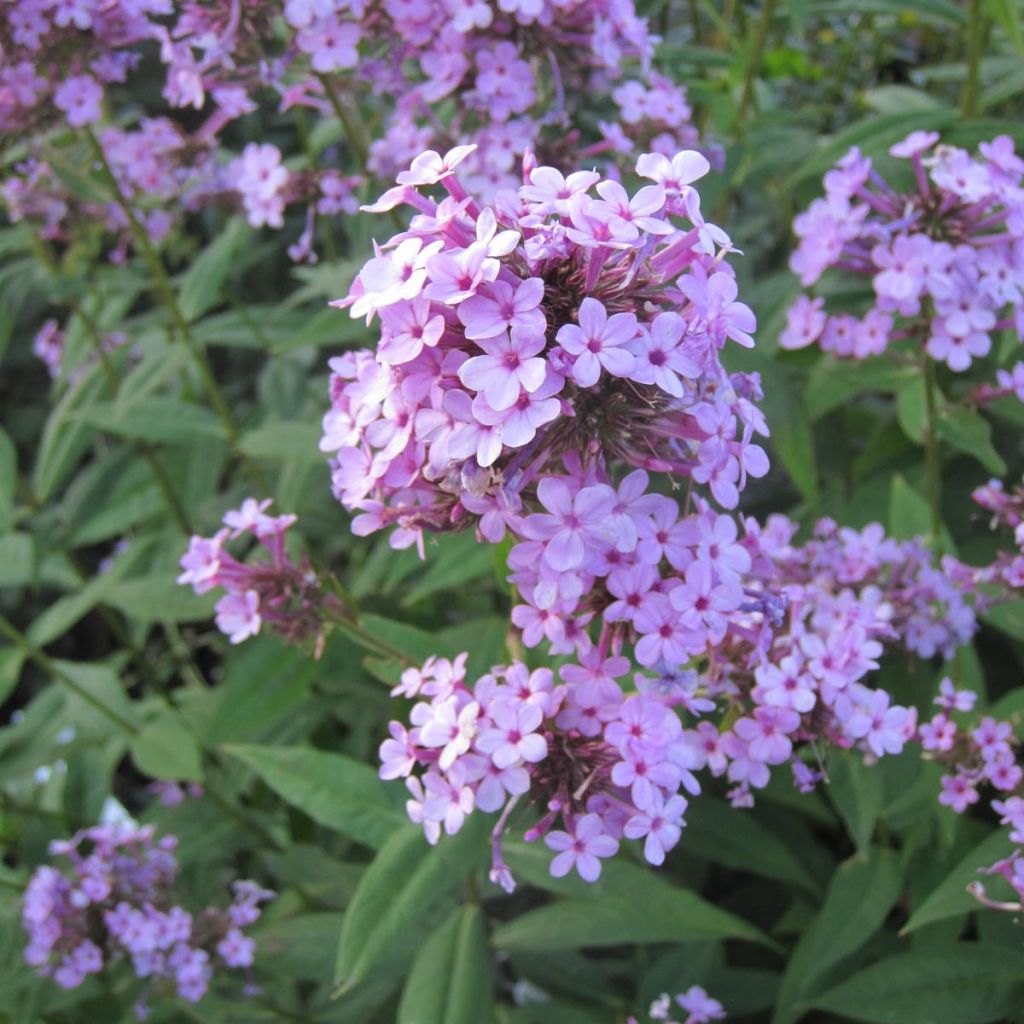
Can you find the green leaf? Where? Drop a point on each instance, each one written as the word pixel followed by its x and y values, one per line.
pixel 102 688
pixel 833 382
pixel 160 419
pixel 912 409
pixel 572 923
pixel 899 99
pixel 158 598
pixel 284 440
pixel 17 559
pixel 970 433
pixel 1006 13
pixel 1008 617
pixel 451 980
pixel 934 10
pixel 299 947
pixel 958 983
pixel 264 682
pixel 951 898
pixel 66 436
pixel 860 896
pixel 716 832
pixel 60 616
pixel 8 481
pixel 457 560
pixel 909 513
pixel 858 792
pixel 165 749
pixel 334 790
pixel 791 434
pixel 626 904
pixel 403 893
pixel 201 285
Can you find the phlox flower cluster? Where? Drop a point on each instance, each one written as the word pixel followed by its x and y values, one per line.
pixel 782 670
pixel 277 591
pixel 1007 508
pixel 570 79
pixel 605 766
pixel 944 253
pixel 980 756
pixel 527 346
pixel 117 905
pixel 697 1005
pixel 983 756
pixel 520 73
pixel 59 55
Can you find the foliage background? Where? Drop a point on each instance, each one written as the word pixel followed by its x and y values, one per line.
pixel 845 904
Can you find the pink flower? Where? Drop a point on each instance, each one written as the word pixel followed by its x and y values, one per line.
pixel 331 44
pixel 659 359
pixel 702 1009
pixel 79 97
pixel 511 362
pixel 766 734
pixel 549 188
pixel 398 754
pixel 513 737
pixel 450 727
pixel 581 849
pixel 660 826
pixel 499 308
pixel 238 615
pixel 805 320
pixel 958 792
pixel 572 520
pixel 597 342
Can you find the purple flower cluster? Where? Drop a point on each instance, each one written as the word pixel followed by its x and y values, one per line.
pixel 284 594
pixel 983 754
pixel 524 75
pixel 784 666
pixel 1007 508
pixel 58 55
pixel 518 71
pixel 943 256
pixel 538 358
pixel 529 345
pixel 772 662
pixel 117 905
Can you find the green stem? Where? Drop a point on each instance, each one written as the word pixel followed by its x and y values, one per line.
pixel 754 61
pixel 165 290
pixel 144 448
pixel 975 36
pixel 48 665
pixel 355 130
pixel 932 455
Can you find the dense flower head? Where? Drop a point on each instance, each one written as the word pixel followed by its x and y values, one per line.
pixel 518 71
pixel 529 345
pixel 117 905
pixel 943 257
pixel 602 753
pixel 567 78
pixel 279 592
